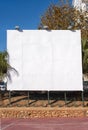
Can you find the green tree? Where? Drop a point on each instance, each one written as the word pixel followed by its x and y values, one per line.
pixel 5 67
pixel 85 55
pixel 65 17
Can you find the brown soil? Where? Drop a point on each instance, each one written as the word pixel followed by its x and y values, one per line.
pixel 40 99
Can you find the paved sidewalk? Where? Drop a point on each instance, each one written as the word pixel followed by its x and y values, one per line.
pixel 45 124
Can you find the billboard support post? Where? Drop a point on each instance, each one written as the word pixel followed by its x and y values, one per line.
pixel 48 98
pixel 9 98
pixel 0 98
pixel 82 98
pixel 65 97
pixel 28 98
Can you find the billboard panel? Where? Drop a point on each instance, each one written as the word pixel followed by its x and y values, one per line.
pixel 45 60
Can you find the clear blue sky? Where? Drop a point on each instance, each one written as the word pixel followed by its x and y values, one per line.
pixel 24 13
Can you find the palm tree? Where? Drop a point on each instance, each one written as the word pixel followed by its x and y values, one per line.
pixel 5 67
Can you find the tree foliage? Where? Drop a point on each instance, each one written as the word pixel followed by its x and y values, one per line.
pixel 65 17
pixel 5 67
pixel 85 55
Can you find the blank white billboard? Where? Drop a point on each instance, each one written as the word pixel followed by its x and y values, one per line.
pixel 45 60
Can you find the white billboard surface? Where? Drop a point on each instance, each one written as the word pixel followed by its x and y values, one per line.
pixel 45 60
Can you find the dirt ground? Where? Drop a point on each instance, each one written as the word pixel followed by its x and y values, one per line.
pixel 42 99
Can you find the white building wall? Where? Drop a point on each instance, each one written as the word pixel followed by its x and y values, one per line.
pixel 81 5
